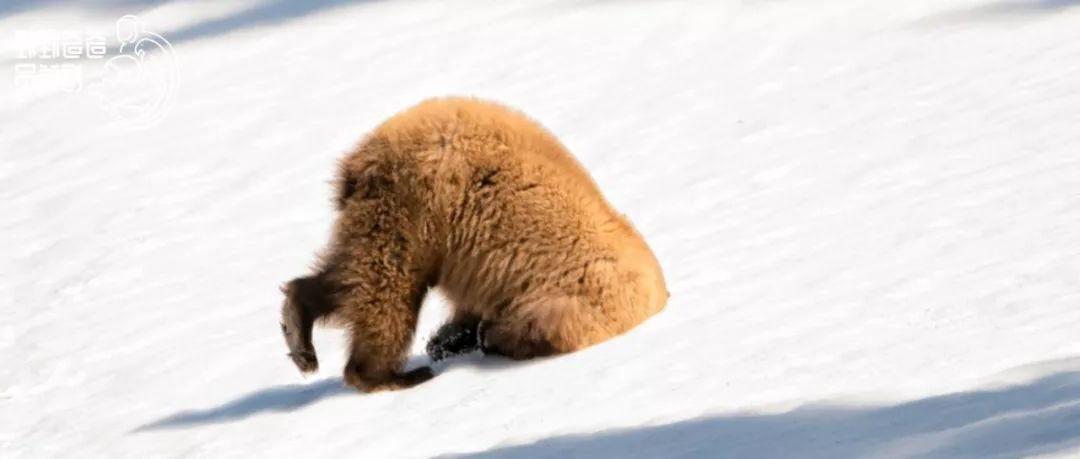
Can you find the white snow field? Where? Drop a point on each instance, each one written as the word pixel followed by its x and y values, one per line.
pixel 868 214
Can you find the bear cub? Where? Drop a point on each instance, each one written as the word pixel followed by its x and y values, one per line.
pixel 483 203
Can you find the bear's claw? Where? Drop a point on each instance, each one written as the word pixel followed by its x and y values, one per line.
pixel 306 361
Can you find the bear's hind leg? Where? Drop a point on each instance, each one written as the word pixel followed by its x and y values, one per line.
pixel 306 300
pixel 375 359
pixel 381 325
pixel 540 326
pixel 514 339
pixel 357 376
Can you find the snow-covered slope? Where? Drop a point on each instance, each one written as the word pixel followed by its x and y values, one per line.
pixel 868 214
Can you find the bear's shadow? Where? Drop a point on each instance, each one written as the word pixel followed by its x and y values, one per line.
pixel 291 397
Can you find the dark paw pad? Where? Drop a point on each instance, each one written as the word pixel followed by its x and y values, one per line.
pixel 452 339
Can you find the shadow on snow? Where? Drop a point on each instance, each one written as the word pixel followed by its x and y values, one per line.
pixel 292 397
pixel 1036 418
pixel 274 399
pixel 262 13
pixel 1039 417
pixel 1000 10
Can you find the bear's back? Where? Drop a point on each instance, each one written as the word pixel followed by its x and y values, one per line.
pixel 485 132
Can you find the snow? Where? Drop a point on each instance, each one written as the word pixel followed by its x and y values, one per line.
pixel 868 215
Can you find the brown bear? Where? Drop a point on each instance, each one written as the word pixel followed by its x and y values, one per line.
pixel 484 203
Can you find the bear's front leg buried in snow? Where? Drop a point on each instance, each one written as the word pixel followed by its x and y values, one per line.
pixel 454 338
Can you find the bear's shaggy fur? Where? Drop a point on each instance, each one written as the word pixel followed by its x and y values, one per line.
pixel 485 204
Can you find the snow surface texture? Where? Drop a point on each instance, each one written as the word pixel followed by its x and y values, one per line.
pixel 868 214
